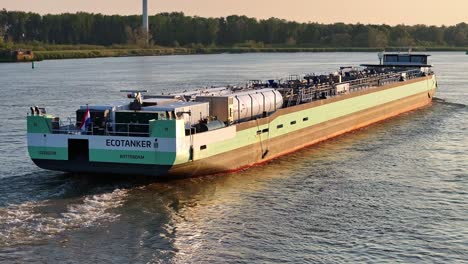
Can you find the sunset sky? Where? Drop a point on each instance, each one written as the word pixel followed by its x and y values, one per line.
pixel 433 12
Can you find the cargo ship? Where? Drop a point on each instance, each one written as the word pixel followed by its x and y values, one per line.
pixel 225 129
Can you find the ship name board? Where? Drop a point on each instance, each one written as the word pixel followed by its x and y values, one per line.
pixel 128 143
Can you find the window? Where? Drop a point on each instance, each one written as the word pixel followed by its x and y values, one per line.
pixel 404 58
pixel 305 119
pixel 391 58
pixel 419 59
pixel 203 147
pixel 265 130
pixel 279 126
pixel 259 132
pixel 293 122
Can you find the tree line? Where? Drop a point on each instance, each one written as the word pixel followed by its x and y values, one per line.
pixel 176 29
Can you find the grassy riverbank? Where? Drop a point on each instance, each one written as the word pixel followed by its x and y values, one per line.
pixel 53 52
pixel 99 53
pixel 114 52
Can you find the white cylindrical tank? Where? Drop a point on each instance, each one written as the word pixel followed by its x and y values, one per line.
pixel 254 103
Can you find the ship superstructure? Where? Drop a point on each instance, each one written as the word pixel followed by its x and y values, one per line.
pixel 218 129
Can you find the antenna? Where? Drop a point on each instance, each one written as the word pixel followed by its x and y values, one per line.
pixel 145 19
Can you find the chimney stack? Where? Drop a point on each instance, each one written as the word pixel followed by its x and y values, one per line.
pixel 145 18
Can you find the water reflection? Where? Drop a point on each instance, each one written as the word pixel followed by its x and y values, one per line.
pixel 394 190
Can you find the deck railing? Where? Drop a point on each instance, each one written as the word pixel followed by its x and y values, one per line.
pixel 302 95
pixel 127 129
pixel 312 93
pixel 70 127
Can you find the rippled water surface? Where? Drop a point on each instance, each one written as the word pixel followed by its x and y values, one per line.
pixel 396 191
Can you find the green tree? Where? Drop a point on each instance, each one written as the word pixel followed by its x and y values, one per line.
pixel 177 29
pixel 377 38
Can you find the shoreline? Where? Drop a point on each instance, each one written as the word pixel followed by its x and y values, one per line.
pixel 163 51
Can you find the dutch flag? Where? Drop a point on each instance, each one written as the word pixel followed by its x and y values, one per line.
pixel 86 121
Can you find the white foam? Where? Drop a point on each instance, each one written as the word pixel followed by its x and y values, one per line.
pixel 93 209
pixel 24 223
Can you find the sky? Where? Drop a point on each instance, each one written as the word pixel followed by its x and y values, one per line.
pixel 391 12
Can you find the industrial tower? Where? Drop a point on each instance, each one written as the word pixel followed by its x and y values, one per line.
pixel 145 19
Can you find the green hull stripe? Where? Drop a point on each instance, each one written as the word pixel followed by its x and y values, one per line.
pixel 134 157
pixel 49 153
pixel 119 156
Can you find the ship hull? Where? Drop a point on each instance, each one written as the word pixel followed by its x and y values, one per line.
pixel 272 145
pixel 255 154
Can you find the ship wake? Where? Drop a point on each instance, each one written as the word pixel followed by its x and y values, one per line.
pixel 33 222
pixel 443 101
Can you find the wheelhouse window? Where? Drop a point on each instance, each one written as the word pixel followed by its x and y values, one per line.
pixel 404 58
pixel 391 58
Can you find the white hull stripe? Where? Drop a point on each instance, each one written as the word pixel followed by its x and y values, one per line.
pixel 149 144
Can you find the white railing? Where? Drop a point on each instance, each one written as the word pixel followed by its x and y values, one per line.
pixel 70 127
pixel 65 127
pixel 126 129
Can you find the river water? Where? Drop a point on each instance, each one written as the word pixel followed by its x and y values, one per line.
pixel 396 191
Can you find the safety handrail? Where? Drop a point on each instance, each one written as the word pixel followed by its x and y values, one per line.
pixel 110 128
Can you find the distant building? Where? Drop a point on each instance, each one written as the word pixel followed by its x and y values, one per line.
pixel 16 55
pixel 19 55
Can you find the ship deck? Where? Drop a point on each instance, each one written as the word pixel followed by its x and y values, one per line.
pixel 312 88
